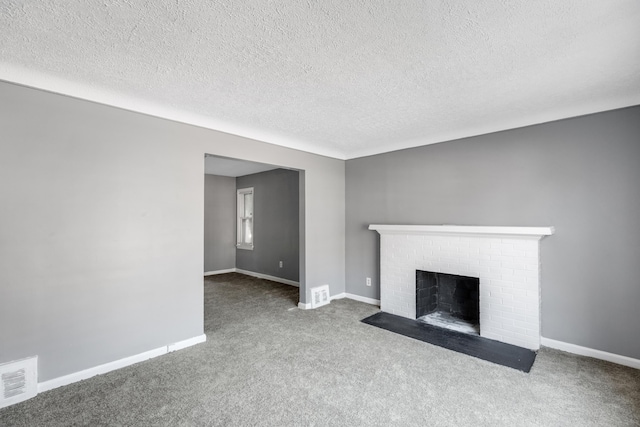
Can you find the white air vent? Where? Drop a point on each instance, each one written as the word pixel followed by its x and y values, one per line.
pixel 18 381
pixel 320 296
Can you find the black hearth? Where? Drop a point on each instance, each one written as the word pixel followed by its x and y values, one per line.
pixel 448 315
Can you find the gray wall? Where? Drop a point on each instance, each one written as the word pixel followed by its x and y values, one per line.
pixel 219 222
pixel 276 224
pixel 102 225
pixel 580 175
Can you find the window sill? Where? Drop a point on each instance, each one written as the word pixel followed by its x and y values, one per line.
pixel 245 247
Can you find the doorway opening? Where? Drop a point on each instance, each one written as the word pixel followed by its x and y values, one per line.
pixel 264 235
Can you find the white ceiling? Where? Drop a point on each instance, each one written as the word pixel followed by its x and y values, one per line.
pixel 338 78
pixel 224 166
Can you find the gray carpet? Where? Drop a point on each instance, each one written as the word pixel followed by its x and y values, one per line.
pixel 268 363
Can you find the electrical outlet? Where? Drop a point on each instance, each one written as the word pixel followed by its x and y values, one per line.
pixel 368 281
pixel 281 264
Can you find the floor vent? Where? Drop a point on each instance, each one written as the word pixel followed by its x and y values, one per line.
pixel 18 381
pixel 320 296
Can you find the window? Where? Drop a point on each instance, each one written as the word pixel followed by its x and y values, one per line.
pixel 245 219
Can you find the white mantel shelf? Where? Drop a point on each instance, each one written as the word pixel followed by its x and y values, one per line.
pixel 477 230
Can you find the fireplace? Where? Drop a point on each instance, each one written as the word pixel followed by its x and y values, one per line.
pixel 448 301
pixel 505 260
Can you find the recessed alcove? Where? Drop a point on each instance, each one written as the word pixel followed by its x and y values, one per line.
pixel 448 301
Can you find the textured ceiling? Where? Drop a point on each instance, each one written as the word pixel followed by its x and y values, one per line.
pixel 338 78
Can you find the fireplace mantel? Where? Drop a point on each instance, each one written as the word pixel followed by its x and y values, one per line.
pixel 487 231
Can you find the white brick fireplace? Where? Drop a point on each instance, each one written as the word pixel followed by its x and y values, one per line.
pixel 505 259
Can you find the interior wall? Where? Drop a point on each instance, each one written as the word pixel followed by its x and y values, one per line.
pixel 580 175
pixel 101 244
pixel 219 223
pixel 276 225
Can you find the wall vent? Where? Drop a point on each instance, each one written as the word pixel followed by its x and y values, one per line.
pixel 320 296
pixel 18 381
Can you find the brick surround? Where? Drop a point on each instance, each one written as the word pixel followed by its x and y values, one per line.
pixel 505 259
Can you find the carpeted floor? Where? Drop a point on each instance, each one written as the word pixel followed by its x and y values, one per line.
pixel 267 363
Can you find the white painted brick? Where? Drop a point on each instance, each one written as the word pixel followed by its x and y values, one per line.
pixel 521 317
pixel 510 252
pixel 500 283
pixel 494 300
pixel 531 310
pixel 485 291
pixel 508 291
pixel 518 293
pixel 506 312
pixel 520 324
pixel 507 299
pixel 497 258
pixel 520 331
pixel 532 332
pixel 503 318
pixel 483 256
pixel 534 320
pixel 508 270
pixel 524 286
pixel 491 335
pixel 490 324
pixel 518 278
pixel 526 260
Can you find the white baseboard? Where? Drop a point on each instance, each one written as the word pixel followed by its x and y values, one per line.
pixel 345 295
pixel 357 298
pixel 254 274
pixel 363 299
pixel 117 364
pixel 590 352
pixel 213 273
pixel 304 306
pixel 338 296
pixel 186 343
pixel 267 277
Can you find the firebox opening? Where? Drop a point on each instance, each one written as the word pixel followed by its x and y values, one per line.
pixel 448 301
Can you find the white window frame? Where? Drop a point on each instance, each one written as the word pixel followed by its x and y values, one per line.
pixel 240 238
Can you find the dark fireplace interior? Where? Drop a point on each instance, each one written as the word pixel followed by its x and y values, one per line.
pixel 448 300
